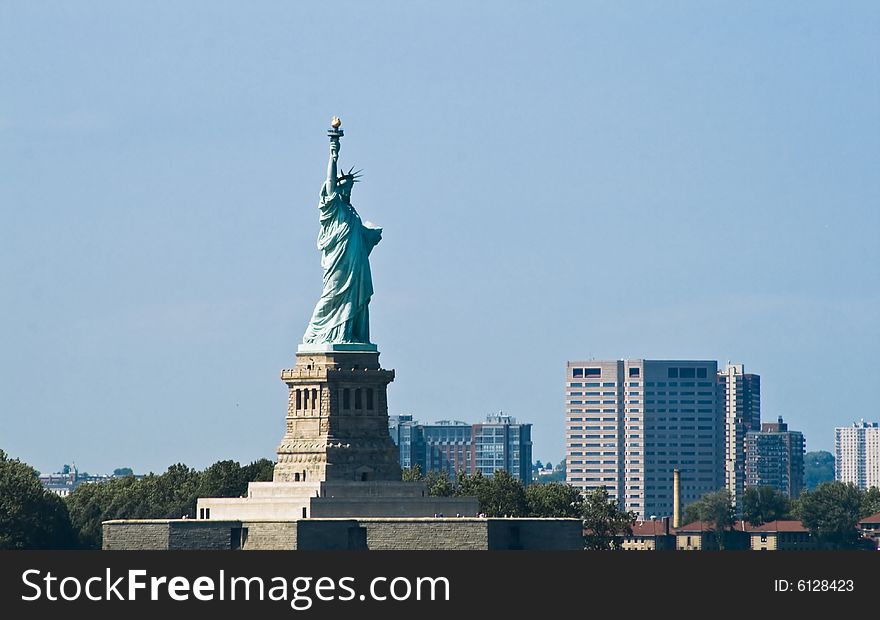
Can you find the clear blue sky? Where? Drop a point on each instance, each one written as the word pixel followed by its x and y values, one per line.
pixel 555 180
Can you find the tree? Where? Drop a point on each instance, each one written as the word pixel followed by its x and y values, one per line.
pixel 507 497
pixel 715 508
pixel 262 470
pixel 604 521
pixel 439 483
pixel 169 495
pixel 870 502
pixel 502 495
pixel 818 468
pixel 175 492
pixel 90 504
pixel 222 479
pixel 476 485
pixel 831 512
pixel 30 516
pixel 411 474
pixel 764 504
pixel 123 471
pixel 555 499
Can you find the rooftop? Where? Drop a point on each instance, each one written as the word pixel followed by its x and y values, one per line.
pixel 786 525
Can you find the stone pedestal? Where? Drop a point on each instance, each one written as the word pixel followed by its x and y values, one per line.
pixel 336 458
pixel 337 420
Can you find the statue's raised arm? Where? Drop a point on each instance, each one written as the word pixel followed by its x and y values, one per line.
pixel 330 184
pixel 335 133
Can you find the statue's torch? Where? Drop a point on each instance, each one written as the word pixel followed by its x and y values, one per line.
pixel 335 132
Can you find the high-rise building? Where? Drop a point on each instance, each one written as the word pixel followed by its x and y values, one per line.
pixel 448 447
pixel 453 446
pixel 857 454
pixel 501 443
pixel 409 439
pixel 775 458
pixel 630 423
pixel 741 399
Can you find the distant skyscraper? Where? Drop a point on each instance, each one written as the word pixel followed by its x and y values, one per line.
pixel 741 400
pixel 453 446
pixel 857 454
pixel 775 458
pixel 629 423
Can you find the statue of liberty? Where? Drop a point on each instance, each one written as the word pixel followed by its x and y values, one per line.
pixel 341 316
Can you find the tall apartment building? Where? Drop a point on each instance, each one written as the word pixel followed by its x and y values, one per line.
pixel 409 439
pixel 630 423
pixel 775 457
pixel 501 443
pixel 452 446
pixel 448 446
pixel 857 454
pixel 741 399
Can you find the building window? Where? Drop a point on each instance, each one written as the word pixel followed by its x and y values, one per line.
pixel 299 399
pixel 370 399
pixel 701 373
pixel 357 399
pixel 592 372
pixel 577 373
pixel 633 372
pixel 687 373
pixel 346 398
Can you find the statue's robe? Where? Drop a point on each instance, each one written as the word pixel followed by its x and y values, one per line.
pixel 342 313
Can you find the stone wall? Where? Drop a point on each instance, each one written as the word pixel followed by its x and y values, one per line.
pixel 167 534
pixel 466 534
pixel 317 535
pixel 208 535
pixel 543 534
pixel 270 535
pixel 471 534
pixel 135 535
pixel 427 534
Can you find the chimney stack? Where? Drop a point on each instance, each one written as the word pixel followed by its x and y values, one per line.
pixel 676 499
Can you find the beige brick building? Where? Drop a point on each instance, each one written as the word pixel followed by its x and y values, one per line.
pixel 781 535
pixel 652 535
pixel 630 423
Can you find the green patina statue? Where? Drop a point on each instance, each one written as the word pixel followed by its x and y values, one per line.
pixel 341 320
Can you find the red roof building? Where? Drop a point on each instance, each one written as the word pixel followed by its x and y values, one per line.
pixel 781 535
pixel 870 528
